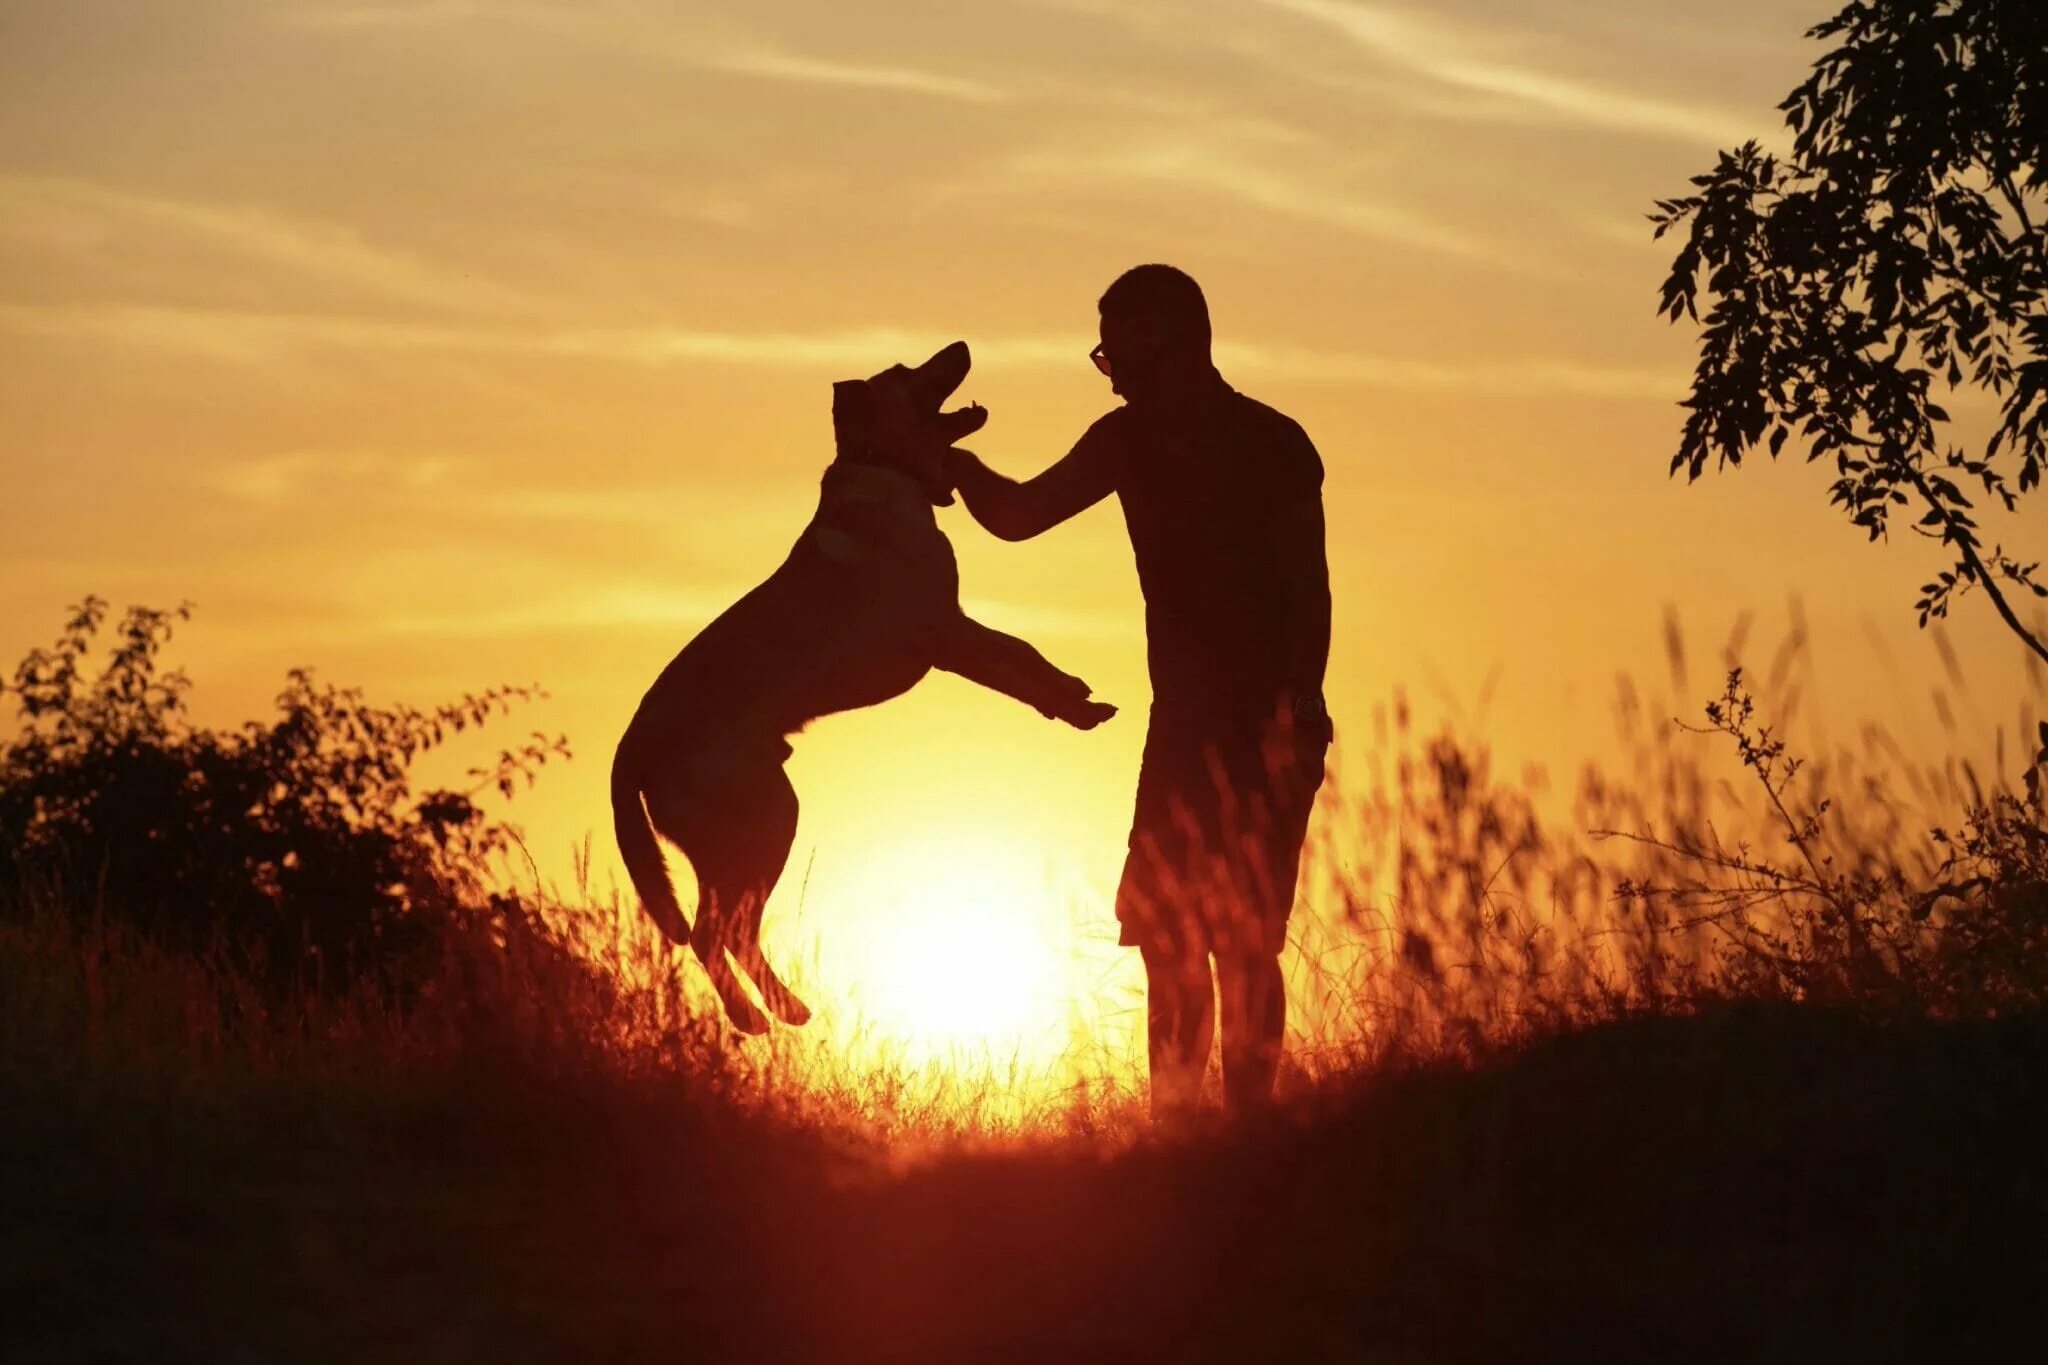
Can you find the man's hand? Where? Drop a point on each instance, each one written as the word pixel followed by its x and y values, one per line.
pixel 1296 741
pixel 1305 712
pixel 957 466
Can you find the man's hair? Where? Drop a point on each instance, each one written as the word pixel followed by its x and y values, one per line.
pixel 1166 295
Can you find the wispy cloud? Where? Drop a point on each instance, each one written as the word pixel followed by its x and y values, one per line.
pixel 580 608
pixel 80 212
pixel 395 14
pixel 1208 168
pixel 274 480
pixel 1449 56
pixel 770 64
pixel 1507 376
pixel 635 31
pixel 261 337
pixel 257 337
pixel 482 489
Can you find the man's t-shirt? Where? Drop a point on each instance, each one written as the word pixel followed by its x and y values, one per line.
pixel 1208 489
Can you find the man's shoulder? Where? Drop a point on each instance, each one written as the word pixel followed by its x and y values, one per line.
pixel 1110 426
pixel 1108 437
pixel 1288 458
pixel 1266 419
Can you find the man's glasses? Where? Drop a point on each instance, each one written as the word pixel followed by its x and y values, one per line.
pixel 1101 359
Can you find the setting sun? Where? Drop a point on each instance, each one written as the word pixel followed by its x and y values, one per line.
pixel 953 951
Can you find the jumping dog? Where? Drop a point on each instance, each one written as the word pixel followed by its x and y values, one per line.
pixel 865 605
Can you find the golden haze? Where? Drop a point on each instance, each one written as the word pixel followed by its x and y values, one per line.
pixel 444 343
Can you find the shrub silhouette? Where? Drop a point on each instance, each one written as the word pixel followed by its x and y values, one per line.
pixel 296 843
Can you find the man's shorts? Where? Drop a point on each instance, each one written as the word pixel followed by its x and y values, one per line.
pixel 1215 849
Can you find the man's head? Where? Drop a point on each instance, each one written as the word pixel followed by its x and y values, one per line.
pixel 1155 330
pixel 893 419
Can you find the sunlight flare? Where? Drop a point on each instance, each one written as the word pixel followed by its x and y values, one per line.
pixel 954 951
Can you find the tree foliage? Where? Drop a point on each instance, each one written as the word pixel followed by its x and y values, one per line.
pixel 299 839
pixel 1897 254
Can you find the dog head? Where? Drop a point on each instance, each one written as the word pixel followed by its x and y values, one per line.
pixel 895 420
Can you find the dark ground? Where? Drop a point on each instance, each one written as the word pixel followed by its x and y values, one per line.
pixel 1762 1184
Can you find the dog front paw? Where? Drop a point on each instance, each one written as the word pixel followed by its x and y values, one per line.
pixel 1088 714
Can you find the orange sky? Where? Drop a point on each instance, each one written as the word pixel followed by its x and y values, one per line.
pixel 445 343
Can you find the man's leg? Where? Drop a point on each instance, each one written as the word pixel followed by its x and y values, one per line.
pixel 1254 992
pixel 1180 1022
pixel 1254 1026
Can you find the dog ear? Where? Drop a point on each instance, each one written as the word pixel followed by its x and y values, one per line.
pixel 853 414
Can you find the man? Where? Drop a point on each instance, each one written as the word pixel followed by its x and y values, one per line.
pixel 1222 497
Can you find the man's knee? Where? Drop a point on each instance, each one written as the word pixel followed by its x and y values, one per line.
pixel 1161 957
pixel 1176 970
pixel 1252 983
pixel 1254 966
pixel 1180 997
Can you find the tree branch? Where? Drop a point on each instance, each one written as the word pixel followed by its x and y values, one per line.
pixel 1968 549
pixel 2019 208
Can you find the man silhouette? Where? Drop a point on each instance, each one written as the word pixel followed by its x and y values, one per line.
pixel 1222 497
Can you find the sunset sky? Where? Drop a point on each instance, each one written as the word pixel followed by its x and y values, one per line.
pixel 448 343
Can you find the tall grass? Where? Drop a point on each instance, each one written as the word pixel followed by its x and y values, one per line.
pixel 1718 863
pixel 1447 914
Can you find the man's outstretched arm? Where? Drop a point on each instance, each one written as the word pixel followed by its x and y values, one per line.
pixel 1009 510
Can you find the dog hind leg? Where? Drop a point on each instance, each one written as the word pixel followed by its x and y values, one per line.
pixel 713 822
pixel 721 911
pixel 737 838
pixel 774 830
pixel 775 993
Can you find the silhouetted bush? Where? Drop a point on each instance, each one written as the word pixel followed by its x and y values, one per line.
pixel 1842 924
pixel 297 843
pixel 1473 914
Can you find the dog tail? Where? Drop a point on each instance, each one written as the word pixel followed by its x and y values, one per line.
pixel 642 852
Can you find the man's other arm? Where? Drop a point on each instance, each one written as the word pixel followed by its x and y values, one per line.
pixel 1009 510
pixel 1298 548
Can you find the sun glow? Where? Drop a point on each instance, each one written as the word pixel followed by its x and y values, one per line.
pixel 960 954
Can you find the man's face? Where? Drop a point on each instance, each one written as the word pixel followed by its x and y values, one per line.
pixel 1138 356
pixel 1145 357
